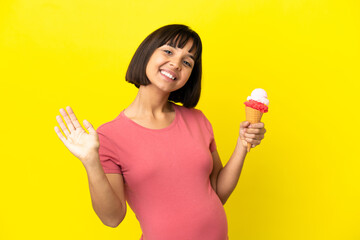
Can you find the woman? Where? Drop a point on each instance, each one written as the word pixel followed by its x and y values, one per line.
pixel 158 156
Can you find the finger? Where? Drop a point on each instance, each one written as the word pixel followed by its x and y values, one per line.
pixel 62 126
pixel 67 120
pixel 244 124
pixel 252 141
pixel 73 117
pixel 254 136
pixel 89 126
pixel 58 132
pixel 253 130
pixel 256 130
pixel 257 125
pixel 248 135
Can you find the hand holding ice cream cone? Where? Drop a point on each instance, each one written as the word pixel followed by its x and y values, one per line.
pixel 251 134
pixel 252 130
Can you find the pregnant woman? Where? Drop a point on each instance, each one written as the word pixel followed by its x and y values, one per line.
pixel 158 156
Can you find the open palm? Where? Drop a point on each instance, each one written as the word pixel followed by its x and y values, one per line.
pixel 78 141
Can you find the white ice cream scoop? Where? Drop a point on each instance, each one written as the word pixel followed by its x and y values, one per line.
pixel 259 95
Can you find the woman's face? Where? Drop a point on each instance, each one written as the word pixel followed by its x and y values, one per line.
pixel 169 68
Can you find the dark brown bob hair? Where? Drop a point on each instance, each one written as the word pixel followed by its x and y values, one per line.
pixel 176 35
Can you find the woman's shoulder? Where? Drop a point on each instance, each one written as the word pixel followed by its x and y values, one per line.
pixel 110 125
pixel 190 112
pixel 194 115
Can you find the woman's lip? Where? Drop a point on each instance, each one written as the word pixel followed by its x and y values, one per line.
pixel 170 79
pixel 171 72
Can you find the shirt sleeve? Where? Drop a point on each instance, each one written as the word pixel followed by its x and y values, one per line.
pixel 208 125
pixel 107 154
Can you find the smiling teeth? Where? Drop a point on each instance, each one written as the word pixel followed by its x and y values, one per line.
pixel 168 75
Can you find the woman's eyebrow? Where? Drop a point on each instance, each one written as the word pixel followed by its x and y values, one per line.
pixel 189 55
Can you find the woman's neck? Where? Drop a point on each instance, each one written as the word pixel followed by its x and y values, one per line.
pixel 149 102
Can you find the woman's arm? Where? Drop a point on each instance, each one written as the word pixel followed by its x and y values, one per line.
pixel 225 179
pixel 107 194
pixel 107 191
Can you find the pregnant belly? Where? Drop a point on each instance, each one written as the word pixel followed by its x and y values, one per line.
pixel 193 220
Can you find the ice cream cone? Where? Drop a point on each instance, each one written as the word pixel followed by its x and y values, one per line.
pixel 252 116
pixel 256 105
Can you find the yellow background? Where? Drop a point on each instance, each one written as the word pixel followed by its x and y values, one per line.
pixel 302 182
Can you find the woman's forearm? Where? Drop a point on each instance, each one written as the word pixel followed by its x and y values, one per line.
pixel 229 176
pixel 105 202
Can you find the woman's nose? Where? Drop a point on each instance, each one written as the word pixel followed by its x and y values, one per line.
pixel 175 63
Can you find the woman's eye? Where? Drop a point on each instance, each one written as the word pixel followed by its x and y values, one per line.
pixel 187 63
pixel 167 51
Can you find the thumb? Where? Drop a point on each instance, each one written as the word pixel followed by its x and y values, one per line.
pixel 244 124
pixel 88 126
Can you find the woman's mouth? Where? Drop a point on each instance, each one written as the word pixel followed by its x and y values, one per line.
pixel 167 74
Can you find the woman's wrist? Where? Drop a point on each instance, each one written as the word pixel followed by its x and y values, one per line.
pixel 92 162
pixel 241 145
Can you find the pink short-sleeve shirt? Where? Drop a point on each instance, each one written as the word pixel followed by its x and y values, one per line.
pixel 167 175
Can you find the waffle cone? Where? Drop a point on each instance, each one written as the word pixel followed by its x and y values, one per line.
pixel 252 116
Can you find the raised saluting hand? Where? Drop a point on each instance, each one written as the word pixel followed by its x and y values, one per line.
pixel 83 145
